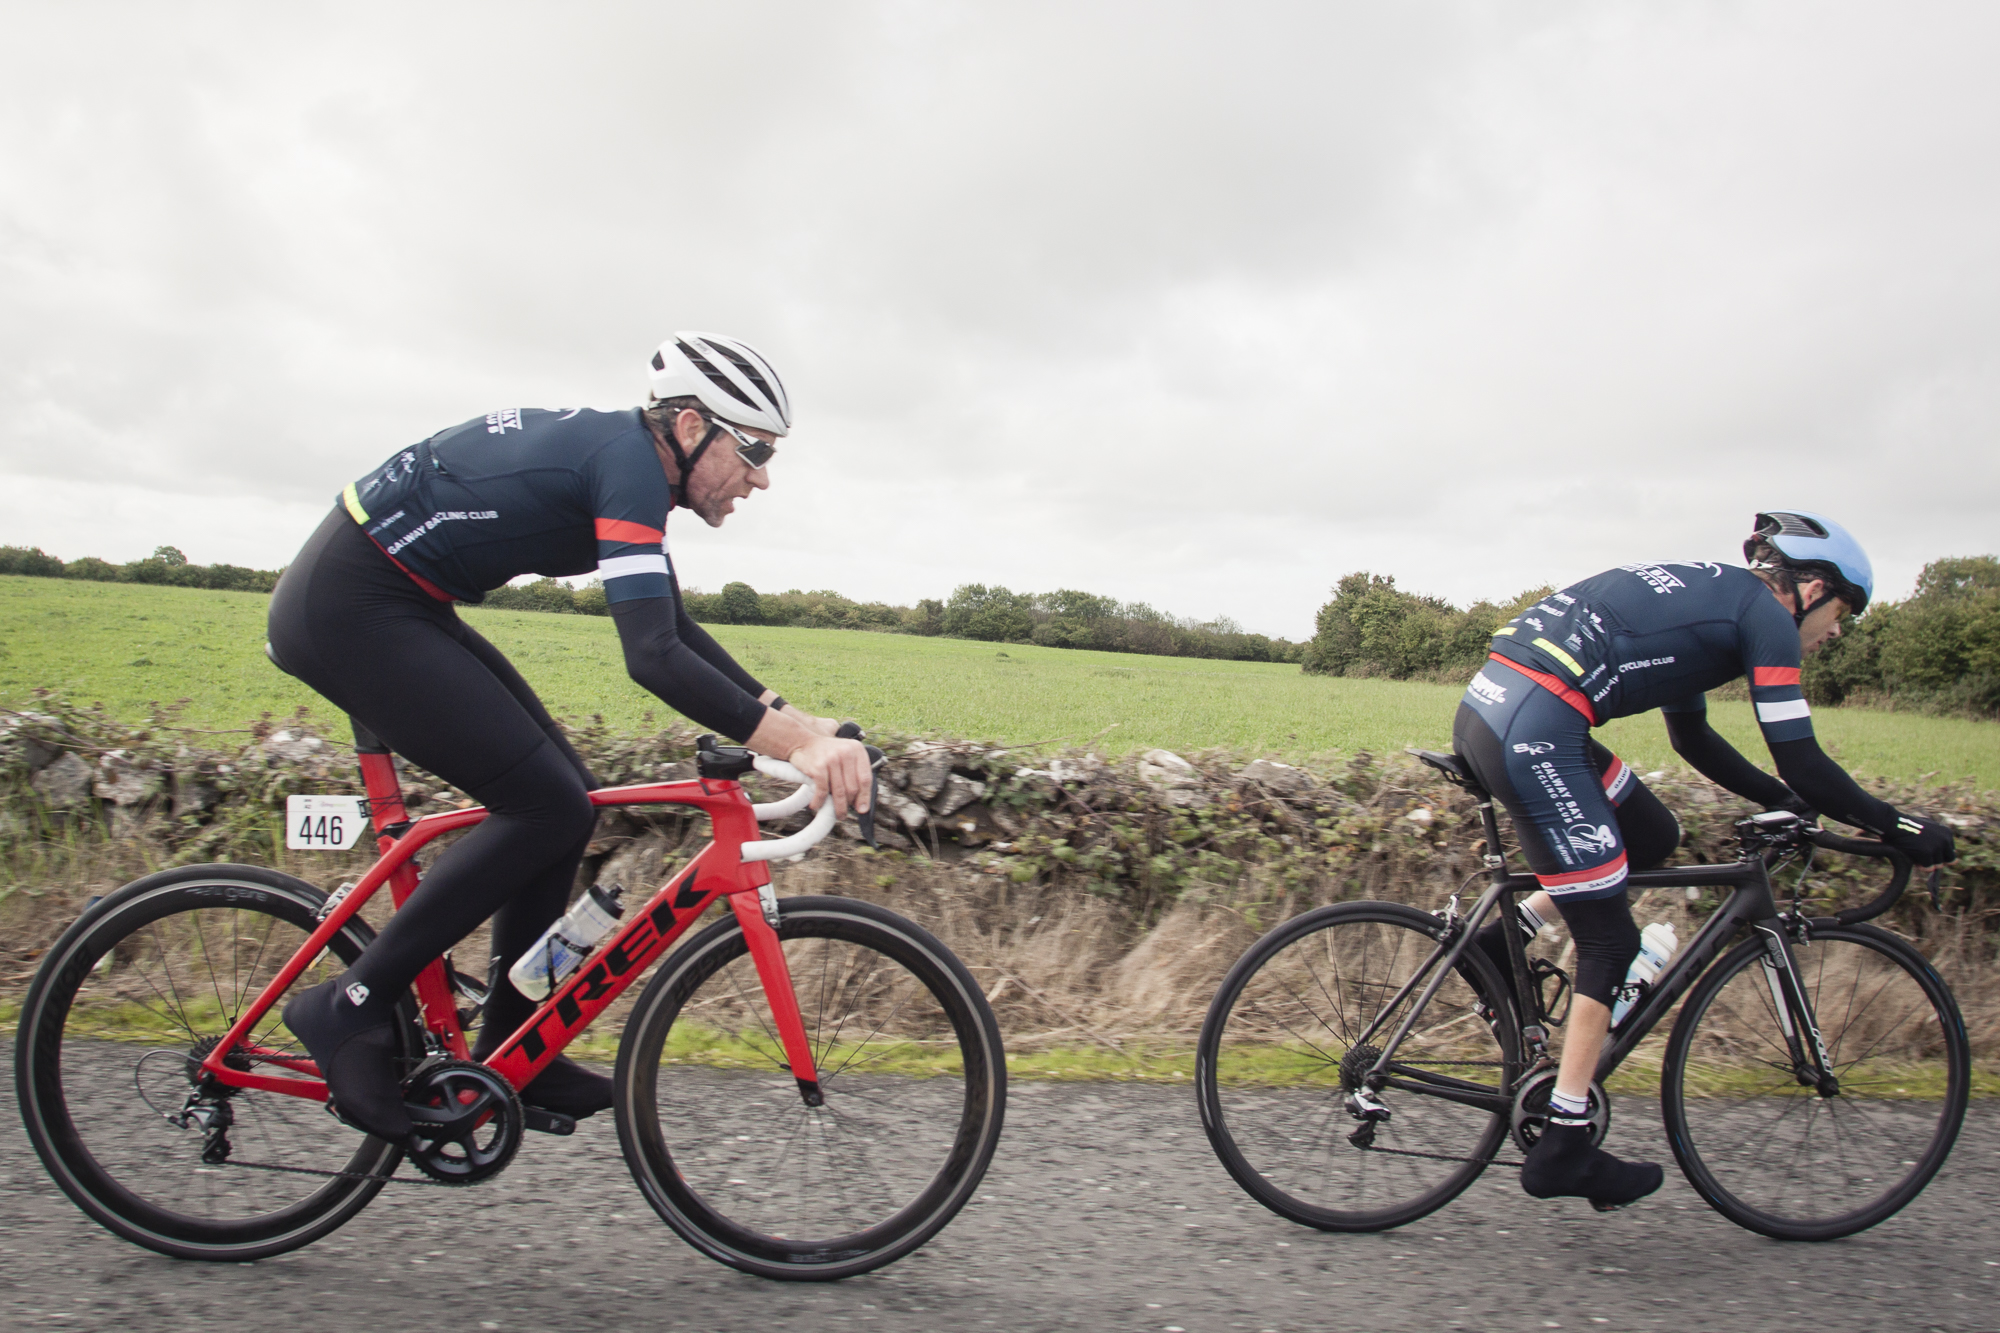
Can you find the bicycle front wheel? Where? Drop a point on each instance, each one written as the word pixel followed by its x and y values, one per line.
pixel 1767 1148
pixel 1283 1048
pixel 910 1065
pixel 121 1013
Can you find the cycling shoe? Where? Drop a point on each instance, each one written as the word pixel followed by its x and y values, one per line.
pixel 1563 1164
pixel 356 1052
pixel 567 1088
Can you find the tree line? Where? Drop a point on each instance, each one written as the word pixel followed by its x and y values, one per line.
pixel 1936 651
pixel 166 565
pixel 1061 619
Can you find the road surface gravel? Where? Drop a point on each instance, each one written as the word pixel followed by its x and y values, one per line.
pixel 1104 1210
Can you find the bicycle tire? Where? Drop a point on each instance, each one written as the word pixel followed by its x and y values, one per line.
pixel 719 1139
pixel 1774 1156
pixel 143 977
pixel 1271 1084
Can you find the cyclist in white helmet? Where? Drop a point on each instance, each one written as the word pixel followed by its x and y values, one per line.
pixel 365 616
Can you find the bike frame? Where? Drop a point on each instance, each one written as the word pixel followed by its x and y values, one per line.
pixel 717 870
pixel 1750 903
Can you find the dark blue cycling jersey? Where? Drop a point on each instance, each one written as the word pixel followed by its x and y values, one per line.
pixel 1650 636
pixel 528 491
pixel 524 491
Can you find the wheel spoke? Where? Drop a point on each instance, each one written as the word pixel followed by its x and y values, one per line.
pixel 1781 1158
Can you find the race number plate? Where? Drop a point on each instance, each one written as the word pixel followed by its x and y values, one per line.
pixel 325 823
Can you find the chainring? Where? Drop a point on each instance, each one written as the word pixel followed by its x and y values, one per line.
pixel 468 1122
pixel 1531 1110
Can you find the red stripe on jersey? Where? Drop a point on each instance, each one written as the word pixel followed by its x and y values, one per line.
pixel 1615 774
pixel 621 530
pixel 1609 870
pixel 1553 686
pixel 430 589
pixel 1774 675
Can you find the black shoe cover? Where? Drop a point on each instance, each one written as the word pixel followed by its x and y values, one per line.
pixel 356 1054
pixel 567 1088
pixel 1564 1165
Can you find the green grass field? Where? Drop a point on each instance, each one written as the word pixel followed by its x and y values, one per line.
pixel 126 645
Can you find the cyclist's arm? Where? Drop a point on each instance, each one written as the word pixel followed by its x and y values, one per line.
pixel 1770 646
pixel 705 647
pixel 631 502
pixel 1825 786
pixel 1705 750
pixel 660 660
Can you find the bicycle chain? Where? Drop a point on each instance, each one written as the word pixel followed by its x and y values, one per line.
pixel 1438 1156
pixel 340 1175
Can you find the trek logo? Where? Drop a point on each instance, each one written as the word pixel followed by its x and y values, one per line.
pixel 630 951
pixel 1487 690
pixel 1592 839
pixel 1534 747
pixel 499 423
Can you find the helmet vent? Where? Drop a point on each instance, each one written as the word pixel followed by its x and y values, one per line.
pixel 716 377
pixel 1790 525
pixel 659 362
pixel 750 372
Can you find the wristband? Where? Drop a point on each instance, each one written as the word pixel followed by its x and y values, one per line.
pixel 777 704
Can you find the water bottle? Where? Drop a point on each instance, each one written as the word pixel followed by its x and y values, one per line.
pixel 1657 943
pixel 563 947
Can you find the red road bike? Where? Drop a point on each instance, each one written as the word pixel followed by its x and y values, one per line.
pixel 808 1088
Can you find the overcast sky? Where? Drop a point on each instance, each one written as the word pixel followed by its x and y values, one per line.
pixel 1202 305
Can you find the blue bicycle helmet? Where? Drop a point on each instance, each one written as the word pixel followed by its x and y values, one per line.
pixel 1808 543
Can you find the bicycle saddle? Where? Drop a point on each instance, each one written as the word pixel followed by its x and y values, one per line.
pixel 1452 767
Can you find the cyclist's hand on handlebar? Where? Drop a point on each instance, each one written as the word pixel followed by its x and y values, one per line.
pixel 1924 841
pixel 1798 806
pixel 838 768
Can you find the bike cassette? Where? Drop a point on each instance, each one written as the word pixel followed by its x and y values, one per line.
pixel 467 1119
pixel 1531 1110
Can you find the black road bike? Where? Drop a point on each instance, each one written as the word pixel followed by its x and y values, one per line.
pixel 1361 1065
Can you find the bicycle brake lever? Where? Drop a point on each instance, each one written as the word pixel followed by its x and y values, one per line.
pixel 865 819
pixel 1937 896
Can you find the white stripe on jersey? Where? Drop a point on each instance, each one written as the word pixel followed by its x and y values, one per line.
pixel 1783 712
pixel 622 566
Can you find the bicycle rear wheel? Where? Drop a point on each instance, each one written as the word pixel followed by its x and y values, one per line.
pixel 1760 1143
pixel 723 1146
pixel 123 1009
pixel 1279 1056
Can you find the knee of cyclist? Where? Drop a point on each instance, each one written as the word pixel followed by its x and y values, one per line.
pixel 1648 848
pixel 1606 939
pixel 572 816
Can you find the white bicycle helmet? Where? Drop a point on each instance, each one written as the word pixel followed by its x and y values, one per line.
pixel 730 377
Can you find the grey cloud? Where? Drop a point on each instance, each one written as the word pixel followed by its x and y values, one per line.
pixel 1199 306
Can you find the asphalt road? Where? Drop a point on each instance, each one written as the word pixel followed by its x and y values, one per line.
pixel 1103 1210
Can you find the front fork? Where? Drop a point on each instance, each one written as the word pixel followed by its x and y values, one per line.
pixel 758 916
pixel 1812 1065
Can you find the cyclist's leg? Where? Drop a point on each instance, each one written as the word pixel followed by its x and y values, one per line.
pixel 350 624
pixel 1534 753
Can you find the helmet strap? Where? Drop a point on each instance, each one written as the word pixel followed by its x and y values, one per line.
pixel 686 461
pixel 1799 616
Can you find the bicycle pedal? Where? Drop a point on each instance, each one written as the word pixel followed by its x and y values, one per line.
pixel 1604 1207
pixel 547 1122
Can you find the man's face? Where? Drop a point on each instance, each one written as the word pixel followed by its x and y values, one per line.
pixel 1822 626
pixel 720 477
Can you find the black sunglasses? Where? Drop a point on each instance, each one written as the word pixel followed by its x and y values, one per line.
pixel 753 451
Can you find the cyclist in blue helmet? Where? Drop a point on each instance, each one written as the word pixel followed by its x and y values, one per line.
pixel 1656 634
